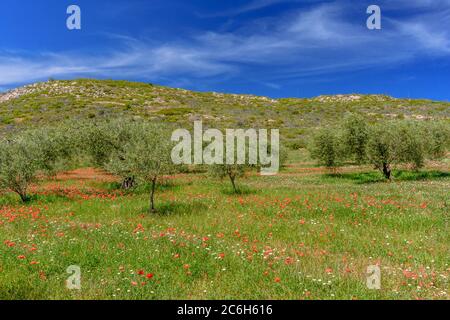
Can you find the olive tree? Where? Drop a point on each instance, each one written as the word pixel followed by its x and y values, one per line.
pixel 106 138
pixel 410 143
pixel 381 151
pixel 231 171
pixel 326 147
pixel 29 153
pixel 248 154
pixel 437 139
pixel 355 134
pixel 145 155
pixel 396 143
pixel 20 162
pixel 56 147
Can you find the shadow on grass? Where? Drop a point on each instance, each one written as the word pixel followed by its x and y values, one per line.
pixel 20 290
pixel 11 198
pixel 179 208
pixel 420 175
pixel 398 175
pixel 241 191
pixel 140 189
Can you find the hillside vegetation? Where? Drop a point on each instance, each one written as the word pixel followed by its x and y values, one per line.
pixel 53 101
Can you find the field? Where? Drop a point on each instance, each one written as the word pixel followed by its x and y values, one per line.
pixel 303 234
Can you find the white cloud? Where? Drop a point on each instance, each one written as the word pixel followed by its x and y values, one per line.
pixel 429 32
pixel 318 41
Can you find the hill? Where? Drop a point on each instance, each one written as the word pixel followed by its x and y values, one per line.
pixel 54 101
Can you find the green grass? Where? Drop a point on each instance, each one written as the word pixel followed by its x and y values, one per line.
pixel 291 236
pixel 398 175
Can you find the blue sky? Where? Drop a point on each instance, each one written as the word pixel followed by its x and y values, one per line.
pixel 277 48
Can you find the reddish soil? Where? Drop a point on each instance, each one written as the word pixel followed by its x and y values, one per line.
pixel 86 174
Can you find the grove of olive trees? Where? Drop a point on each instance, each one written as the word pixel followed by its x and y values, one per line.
pixel 129 149
pixel 382 144
pixel 139 152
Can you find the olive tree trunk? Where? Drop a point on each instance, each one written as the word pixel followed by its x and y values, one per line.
pixel 152 197
pixel 233 178
pixel 387 171
pixel 128 183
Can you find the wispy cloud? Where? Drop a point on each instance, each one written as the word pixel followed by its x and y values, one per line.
pixel 320 40
pixel 251 6
pixel 423 4
pixel 430 32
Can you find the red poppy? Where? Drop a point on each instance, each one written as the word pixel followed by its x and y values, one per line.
pixel 42 275
pixel 289 260
pixel 10 243
pixel 149 275
pixel 139 228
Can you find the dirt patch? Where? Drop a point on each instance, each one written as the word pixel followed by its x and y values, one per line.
pixel 86 174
